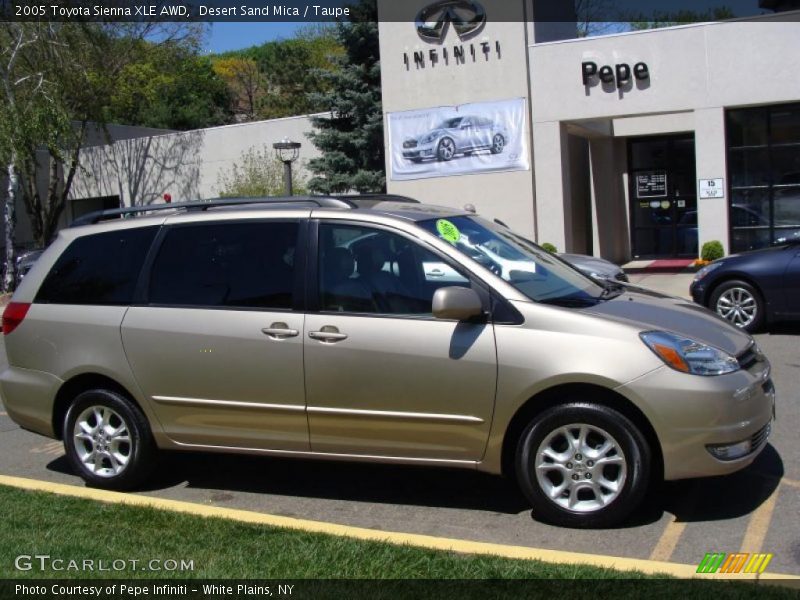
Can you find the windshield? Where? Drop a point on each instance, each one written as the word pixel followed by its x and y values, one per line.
pixel 538 274
pixel 451 123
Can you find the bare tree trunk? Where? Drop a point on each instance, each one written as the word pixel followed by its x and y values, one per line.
pixel 10 221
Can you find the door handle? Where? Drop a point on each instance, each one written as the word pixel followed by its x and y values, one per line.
pixel 280 331
pixel 328 334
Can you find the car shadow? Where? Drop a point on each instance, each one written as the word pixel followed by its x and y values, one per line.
pixel 783 328
pixel 330 480
pixel 707 499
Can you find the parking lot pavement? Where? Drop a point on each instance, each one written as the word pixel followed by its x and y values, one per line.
pixel 751 511
pixel 674 284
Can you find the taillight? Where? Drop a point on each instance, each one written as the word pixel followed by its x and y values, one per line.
pixel 13 315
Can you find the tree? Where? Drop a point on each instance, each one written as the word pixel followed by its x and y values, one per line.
pixel 259 173
pixel 641 21
pixel 351 136
pixel 245 82
pixel 56 78
pixel 170 87
pixel 594 17
pixel 287 72
pixel 31 115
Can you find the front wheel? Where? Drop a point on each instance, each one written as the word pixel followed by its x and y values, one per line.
pixel 739 303
pixel 446 149
pixel 583 465
pixel 108 440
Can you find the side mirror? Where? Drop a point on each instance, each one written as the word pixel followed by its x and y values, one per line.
pixel 457 303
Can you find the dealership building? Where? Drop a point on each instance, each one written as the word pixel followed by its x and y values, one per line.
pixel 628 146
pixel 642 144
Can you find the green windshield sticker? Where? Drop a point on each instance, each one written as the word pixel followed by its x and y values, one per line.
pixel 448 231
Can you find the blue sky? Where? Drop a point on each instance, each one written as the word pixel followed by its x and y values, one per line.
pixel 233 36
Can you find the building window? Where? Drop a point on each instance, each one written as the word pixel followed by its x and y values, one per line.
pixel 764 175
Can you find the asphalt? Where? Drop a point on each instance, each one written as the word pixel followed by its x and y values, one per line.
pixel 754 510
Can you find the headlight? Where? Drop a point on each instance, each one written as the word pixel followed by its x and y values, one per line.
pixel 689 356
pixel 706 270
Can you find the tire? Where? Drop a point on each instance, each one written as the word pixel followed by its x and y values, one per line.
pixel 121 415
pixel 446 149
pixel 587 503
pixel 740 304
pixel 498 143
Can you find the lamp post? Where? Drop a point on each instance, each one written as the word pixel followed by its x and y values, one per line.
pixel 287 152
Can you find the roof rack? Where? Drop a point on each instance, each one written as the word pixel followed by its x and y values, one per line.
pixel 375 196
pixel 320 201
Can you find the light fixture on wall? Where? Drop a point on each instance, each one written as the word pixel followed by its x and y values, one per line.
pixel 287 152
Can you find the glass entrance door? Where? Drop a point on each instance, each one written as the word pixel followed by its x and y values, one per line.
pixel 663 197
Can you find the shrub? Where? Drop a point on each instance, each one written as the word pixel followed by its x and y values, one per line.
pixel 549 247
pixel 712 251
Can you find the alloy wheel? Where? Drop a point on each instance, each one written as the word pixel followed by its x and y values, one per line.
pixel 102 441
pixel 580 467
pixel 447 149
pixel 738 306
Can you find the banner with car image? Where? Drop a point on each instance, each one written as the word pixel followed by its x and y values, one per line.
pixel 456 140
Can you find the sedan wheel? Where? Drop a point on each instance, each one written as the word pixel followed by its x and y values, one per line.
pixel 498 143
pixel 740 304
pixel 446 149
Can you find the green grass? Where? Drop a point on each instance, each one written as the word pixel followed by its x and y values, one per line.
pixel 71 528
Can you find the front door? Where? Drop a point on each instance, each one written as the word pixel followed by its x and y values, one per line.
pixel 383 377
pixel 663 197
pixel 217 347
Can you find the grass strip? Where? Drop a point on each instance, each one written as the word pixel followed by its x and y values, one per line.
pixel 39 523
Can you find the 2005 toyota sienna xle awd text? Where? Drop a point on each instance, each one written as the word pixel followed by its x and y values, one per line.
pixel 311 328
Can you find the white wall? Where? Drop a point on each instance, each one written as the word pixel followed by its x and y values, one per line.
pixel 185 165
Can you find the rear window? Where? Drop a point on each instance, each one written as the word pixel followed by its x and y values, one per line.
pixel 231 265
pixel 98 269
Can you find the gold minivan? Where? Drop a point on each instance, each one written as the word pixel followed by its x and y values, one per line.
pixel 375 329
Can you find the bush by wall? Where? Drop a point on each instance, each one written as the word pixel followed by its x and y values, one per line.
pixel 712 251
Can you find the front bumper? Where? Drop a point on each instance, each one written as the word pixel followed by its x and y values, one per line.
pixel 693 415
pixel 420 151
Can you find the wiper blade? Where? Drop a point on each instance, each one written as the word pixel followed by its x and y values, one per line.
pixel 610 288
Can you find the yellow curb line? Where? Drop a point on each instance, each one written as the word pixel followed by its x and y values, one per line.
pixel 422 541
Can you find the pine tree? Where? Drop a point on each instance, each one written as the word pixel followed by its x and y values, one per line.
pixel 351 136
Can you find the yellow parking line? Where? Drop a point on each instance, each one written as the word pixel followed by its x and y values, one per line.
pixel 791 482
pixel 361 533
pixel 758 526
pixel 668 540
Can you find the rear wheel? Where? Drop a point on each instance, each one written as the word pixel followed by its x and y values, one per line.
pixel 583 465
pixel 740 303
pixel 108 440
pixel 498 143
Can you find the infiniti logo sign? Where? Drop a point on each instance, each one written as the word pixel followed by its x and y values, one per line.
pixel 468 18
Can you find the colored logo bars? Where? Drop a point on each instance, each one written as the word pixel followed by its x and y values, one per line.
pixel 742 562
pixel 466 16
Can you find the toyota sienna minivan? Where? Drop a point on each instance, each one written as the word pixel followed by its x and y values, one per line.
pixel 254 327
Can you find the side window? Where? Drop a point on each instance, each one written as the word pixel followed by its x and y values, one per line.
pixel 245 265
pixel 99 269
pixel 365 270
